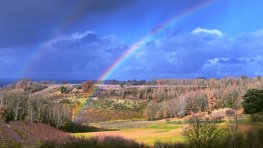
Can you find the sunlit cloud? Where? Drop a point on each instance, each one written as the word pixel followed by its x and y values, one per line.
pixel 211 31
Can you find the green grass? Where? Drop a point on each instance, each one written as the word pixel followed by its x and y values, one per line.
pixel 149 134
pixel 165 126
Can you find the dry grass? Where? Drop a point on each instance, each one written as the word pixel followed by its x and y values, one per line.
pixel 26 133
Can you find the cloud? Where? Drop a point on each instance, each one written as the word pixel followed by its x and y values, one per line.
pixel 77 55
pixel 207 31
pixel 233 67
pixel 196 55
pixel 87 55
pixel 33 22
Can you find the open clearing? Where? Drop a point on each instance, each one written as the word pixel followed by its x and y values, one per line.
pixel 147 132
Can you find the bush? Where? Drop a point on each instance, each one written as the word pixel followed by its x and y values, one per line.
pixel 203 134
pixel 253 101
pixel 250 138
pixel 95 142
pixel 257 118
pixel 169 145
pixel 79 128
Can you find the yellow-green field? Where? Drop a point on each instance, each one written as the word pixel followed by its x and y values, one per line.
pixel 149 132
pixel 156 131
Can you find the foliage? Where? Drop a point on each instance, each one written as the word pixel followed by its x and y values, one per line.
pixel 18 134
pixel 19 106
pixel 257 117
pixel 248 138
pixel 95 142
pixel 166 109
pixel 203 134
pixel 110 109
pixel 88 86
pixel 15 105
pixel 253 101
pixel 79 128
pixel 63 90
pixel 159 144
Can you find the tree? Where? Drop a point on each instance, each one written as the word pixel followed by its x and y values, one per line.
pixel 15 105
pixel 153 110
pixel 253 101
pixel 37 110
pixel 87 86
pixel 203 134
pixel 63 90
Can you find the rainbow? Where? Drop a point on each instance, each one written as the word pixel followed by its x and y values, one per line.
pixel 70 17
pixel 140 43
pixel 67 20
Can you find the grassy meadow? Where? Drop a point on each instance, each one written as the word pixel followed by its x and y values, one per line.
pixel 147 132
pixel 150 132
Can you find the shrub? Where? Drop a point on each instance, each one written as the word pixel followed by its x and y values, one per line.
pixel 169 145
pixel 95 142
pixel 250 138
pixel 63 90
pixel 203 134
pixel 88 86
pixel 253 101
pixel 78 128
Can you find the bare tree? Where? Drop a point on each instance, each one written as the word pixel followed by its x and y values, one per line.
pixel 203 134
pixel 15 105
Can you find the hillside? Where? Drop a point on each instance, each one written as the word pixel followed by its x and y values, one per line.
pixel 21 133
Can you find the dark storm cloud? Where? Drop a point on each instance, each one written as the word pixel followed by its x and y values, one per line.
pixel 77 55
pixel 29 22
pixel 88 55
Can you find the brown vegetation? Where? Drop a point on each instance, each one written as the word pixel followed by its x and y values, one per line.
pixel 20 133
pixel 95 142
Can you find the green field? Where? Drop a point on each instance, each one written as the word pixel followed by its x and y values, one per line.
pixel 147 132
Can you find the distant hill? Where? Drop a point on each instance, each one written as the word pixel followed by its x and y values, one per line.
pixel 4 82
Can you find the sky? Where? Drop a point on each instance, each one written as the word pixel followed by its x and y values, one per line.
pixel 86 39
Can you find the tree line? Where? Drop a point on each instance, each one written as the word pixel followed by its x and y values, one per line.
pixel 18 105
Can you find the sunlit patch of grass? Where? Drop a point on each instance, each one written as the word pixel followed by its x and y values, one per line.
pixel 165 139
pixel 159 131
pixel 165 126
pixel 148 137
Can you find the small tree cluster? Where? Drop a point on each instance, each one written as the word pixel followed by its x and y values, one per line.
pixel 18 105
pixel 15 105
pixel 165 109
pixel 253 101
pixel 88 86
